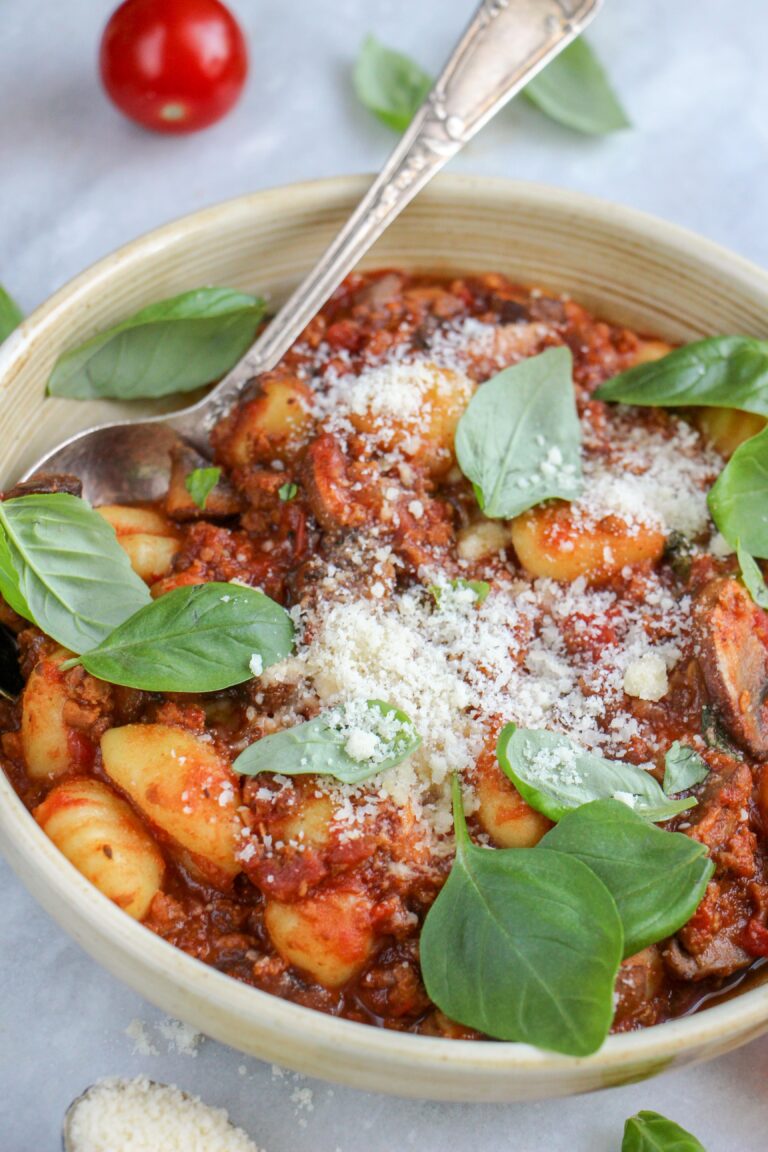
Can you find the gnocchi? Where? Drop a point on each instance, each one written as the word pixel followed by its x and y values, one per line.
pixel 273 425
pixel 184 788
pixel 329 935
pixel 98 832
pixel 46 741
pixel 423 428
pixel 149 538
pixel 548 543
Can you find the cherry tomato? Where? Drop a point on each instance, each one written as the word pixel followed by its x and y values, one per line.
pixel 173 65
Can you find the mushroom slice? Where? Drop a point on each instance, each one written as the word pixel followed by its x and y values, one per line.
pixel 732 646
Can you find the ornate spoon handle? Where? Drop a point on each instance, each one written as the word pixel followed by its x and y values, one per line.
pixel 505 45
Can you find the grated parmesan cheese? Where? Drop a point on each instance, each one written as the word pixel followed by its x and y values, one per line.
pixel 143 1116
pixel 646 678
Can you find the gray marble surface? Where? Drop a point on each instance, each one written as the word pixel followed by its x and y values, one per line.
pixel 76 181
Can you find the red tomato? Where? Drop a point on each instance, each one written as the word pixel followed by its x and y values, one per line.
pixel 173 65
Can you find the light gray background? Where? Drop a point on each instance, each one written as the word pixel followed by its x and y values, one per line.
pixel 76 180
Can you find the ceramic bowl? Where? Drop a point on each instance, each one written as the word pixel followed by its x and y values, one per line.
pixel 628 267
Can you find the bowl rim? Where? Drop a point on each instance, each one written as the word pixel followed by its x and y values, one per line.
pixel 29 850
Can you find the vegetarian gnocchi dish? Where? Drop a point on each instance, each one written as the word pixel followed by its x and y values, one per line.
pixel 436 701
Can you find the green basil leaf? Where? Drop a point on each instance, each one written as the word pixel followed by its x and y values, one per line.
pixel 200 483
pixel 523 945
pixel 351 742
pixel 10 314
pixel 470 591
pixel 519 440
pixel 554 775
pixel 574 90
pixel 389 84
pixel 9 581
pixel 682 769
pixel 753 578
pixel 721 372
pixel 172 346
pixel 738 500
pixel 288 491
pixel 656 878
pixel 651 1132
pixel 195 639
pixel 71 575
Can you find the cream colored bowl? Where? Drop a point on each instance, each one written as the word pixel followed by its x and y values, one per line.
pixel 629 268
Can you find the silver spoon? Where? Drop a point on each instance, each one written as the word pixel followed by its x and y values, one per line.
pixel 505 45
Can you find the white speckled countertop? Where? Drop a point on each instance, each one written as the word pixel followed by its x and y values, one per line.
pixel 76 181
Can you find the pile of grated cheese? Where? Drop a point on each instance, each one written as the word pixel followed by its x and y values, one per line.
pixel 142 1116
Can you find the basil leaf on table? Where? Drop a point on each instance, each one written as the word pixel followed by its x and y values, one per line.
pixel 656 878
pixel 389 84
pixel 683 768
pixel 475 590
pixel 194 639
pixel 523 944
pixel 738 500
pixel 652 1132
pixel 10 314
pixel 69 571
pixel 555 775
pixel 519 439
pixel 574 90
pixel 350 742
pixel 200 483
pixel 721 372
pixel 172 346
pixel 753 578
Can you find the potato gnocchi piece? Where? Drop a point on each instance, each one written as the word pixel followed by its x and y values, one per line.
pixel 548 543
pixel 273 425
pixel 482 540
pixel 328 935
pixel 424 429
pixel 102 837
pixel 183 788
pixel 149 538
pixel 727 428
pixel 648 350
pixel 504 815
pixel 45 736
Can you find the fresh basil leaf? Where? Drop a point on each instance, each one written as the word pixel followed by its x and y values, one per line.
pixel 555 775
pixel 519 440
pixel 70 572
pixel 753 578
pixel 721 372
pixel 351 742
pixel 200 483
pixel 738 500
pixel 473 591
pixel 523 945
pixel 651 1132
pixel 389 84
pixel 574 90
pixel 9 581
pixel 656 878
pixel 683 768
pixel 172 346
pixel 288 491
pixel 194 639
pixel 10 314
